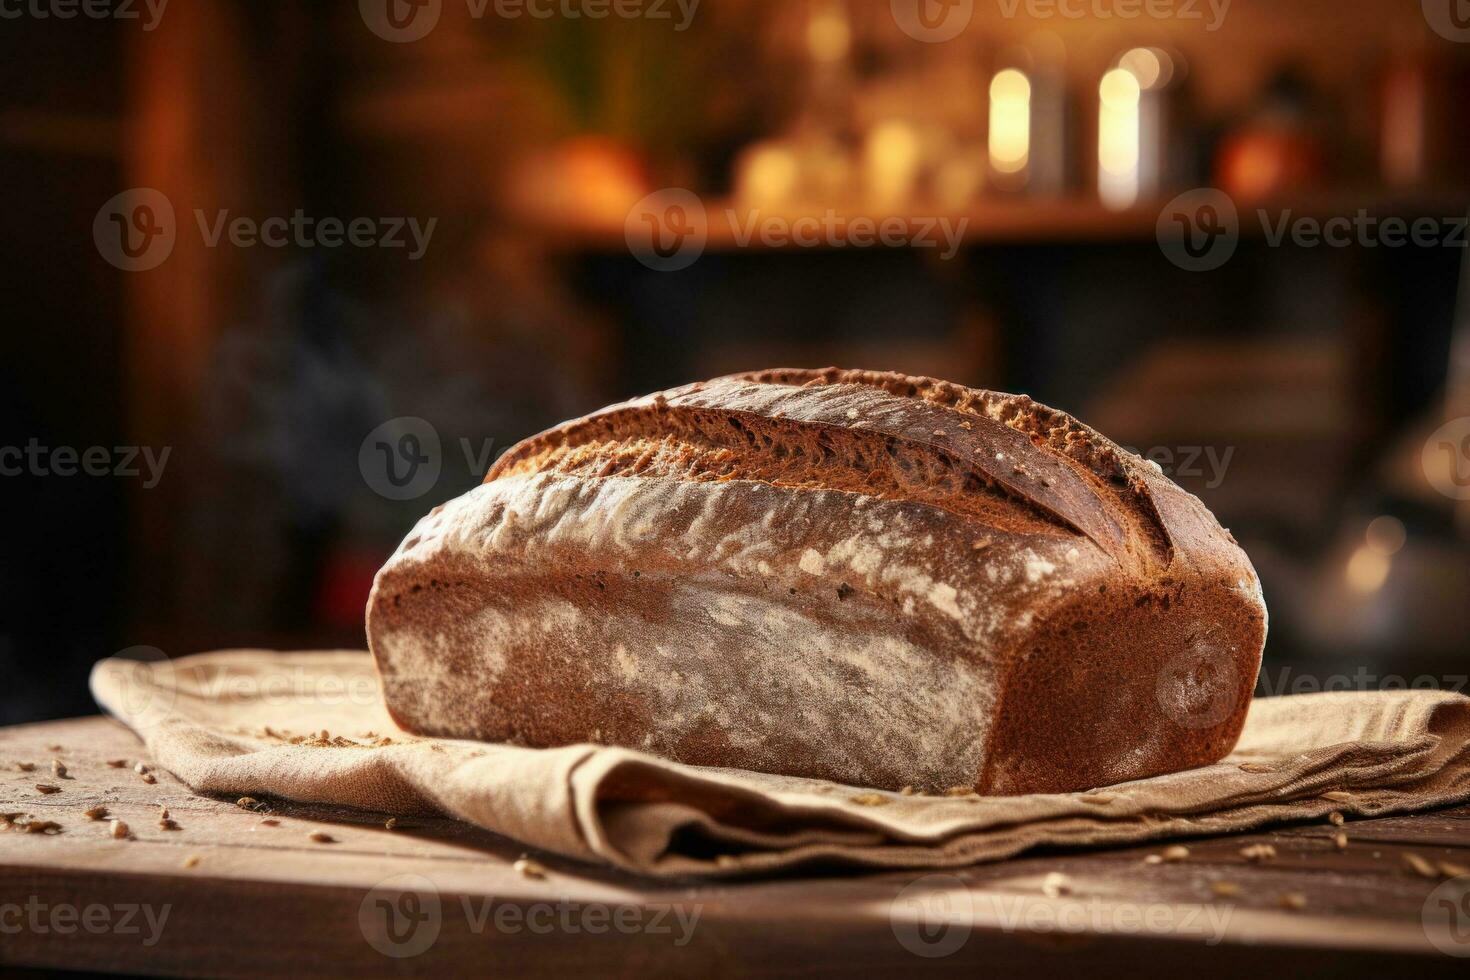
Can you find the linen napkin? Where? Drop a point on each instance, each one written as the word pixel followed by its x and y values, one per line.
pixel 311 726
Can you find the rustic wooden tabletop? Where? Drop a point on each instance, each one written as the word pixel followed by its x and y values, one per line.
pixel 219 889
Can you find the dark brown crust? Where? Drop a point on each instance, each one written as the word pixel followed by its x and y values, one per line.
pixel 1120 640
pixel 974 452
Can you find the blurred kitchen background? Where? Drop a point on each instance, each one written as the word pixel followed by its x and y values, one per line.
pixel 1297 389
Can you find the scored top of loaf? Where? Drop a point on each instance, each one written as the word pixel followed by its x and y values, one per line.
pixel 1005 461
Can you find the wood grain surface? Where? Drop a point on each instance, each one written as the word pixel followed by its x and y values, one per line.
pixel 227 894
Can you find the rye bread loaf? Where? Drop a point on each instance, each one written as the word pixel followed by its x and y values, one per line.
pixel 865 577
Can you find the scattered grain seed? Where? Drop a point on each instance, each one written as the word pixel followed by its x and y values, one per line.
pixel 270 822
pixel 1055 885
pixel 391 823
pixel 527 868
pixel 1258 852
pixel 1340 841
pixel 726 861
pixel 1292 900
pixel 1097 799
pixel 96 813
pixel 43 827
pixel 247 802
pixel 870 799
pixel 967 426
pixel 192 861
pixel 165 823
pixel 1153 859
pixel 1225 889
pixel 140 768
pixel 959 791
pixel 322 837
pixel 1451 870
pixel 1256 767
pixel 26 766
pixel 47 788
pixel 1337 796
pixel 1420 866
pixel 119 830
pixel 55 748
pixel 906 791
pixel 1175 852
pixel 149 778
pixel 1335 818
pixel 58 768
pixel 118 763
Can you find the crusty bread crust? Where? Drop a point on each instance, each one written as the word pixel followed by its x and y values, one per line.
pixel 858 576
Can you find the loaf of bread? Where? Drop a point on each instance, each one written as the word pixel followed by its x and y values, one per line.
pixel 881 580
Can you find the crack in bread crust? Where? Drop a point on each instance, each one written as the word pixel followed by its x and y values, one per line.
pixel 1008 463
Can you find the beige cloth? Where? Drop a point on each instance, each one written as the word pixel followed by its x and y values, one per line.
pixel 224 723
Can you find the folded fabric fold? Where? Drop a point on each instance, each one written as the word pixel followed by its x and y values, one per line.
pixel 311 726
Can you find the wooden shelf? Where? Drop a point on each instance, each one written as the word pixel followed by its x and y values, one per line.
pixel 1073 220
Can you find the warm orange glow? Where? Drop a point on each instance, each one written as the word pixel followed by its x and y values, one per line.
pixel 1367 569
pixel 1118 138
pixel 892 161
pixel 1010 121
pixel 828 35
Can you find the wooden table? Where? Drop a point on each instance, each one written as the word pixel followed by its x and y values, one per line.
pixel 226 894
